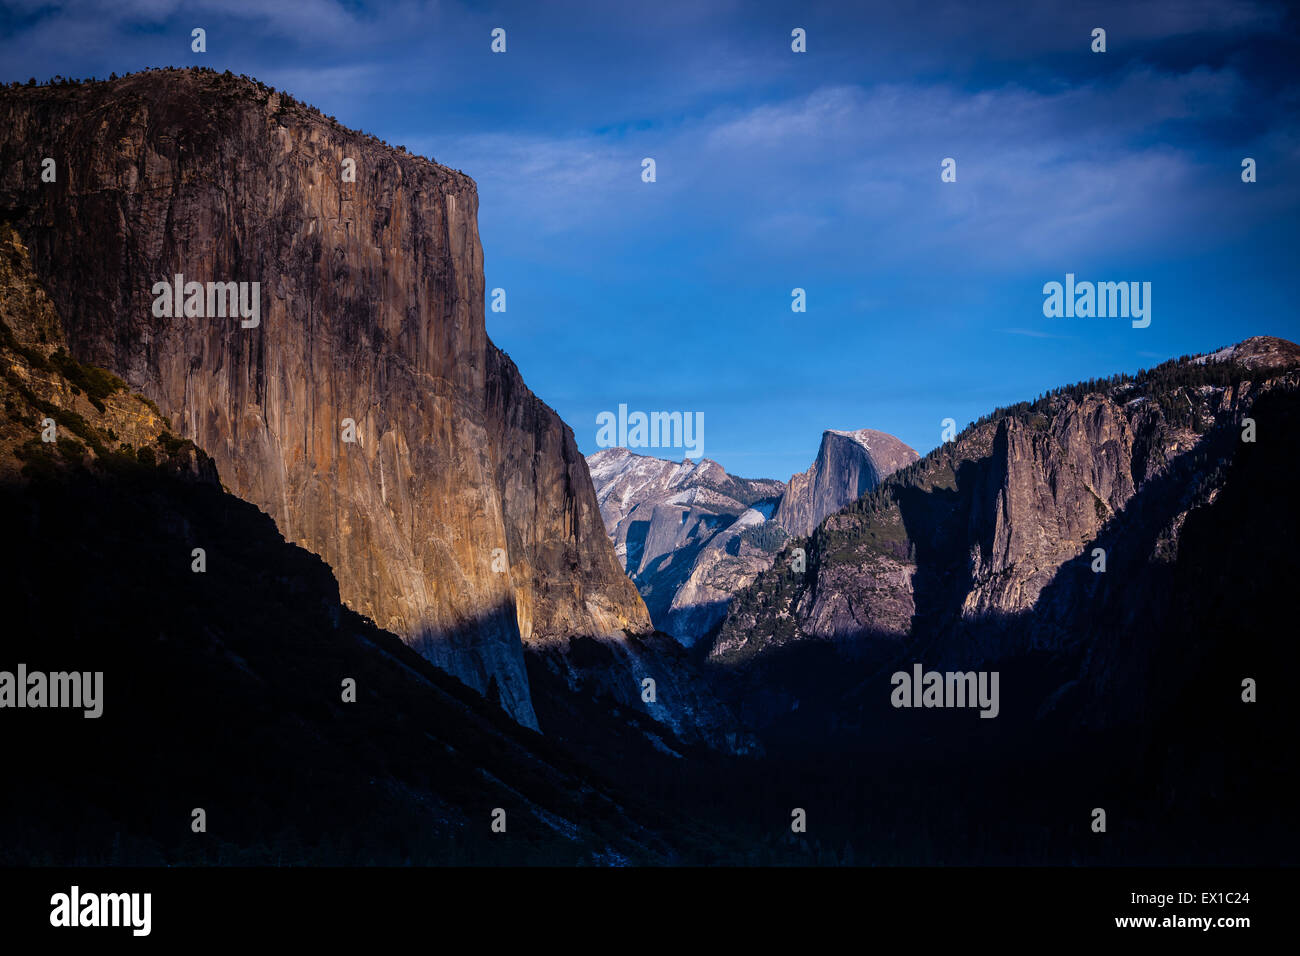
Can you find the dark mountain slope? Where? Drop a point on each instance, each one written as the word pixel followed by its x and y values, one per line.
pixel 1120 689
pixel 976 530
pixel 222 690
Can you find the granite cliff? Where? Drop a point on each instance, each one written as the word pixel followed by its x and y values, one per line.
pixel 848 465
pixel 230 686
pixel 679 529
pixel 691 535
pixel 462 517
pixel 1000 525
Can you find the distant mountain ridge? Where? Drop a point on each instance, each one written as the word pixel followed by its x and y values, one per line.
pixel 690 535
pixel 1119 552
pixel 675 527
pixel 984 527
pixel 849 464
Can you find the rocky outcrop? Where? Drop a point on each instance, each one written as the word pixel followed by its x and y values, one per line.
pixel 995 524
pixel 227 682
pixel 630 487
pixel 726 564
pixel 691 536
pixel 462 516
pixel 678 527
pixel 849 464
pixel 1049 491
pixel 61 416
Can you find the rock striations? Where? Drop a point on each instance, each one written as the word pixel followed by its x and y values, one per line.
pixel 677 527
pixel 1007 519
pixel 691 535
pixel 848 465
pixel 462 517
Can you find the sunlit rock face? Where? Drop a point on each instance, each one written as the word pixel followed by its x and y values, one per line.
pixel 462 517
pixel 849 464
pixel 677 527
pixel 1013 522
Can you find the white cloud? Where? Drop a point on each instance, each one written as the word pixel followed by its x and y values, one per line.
pixel 851 174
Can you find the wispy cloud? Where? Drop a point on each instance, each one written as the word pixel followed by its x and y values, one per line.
pixel 846 173
pixel 817 170
pixel 1036 334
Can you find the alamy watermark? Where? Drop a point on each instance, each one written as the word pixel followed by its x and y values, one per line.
pixel 36 689
pixel 197 300
pixel 1102 300
pixel 75 908
pixel 683 430
pixel 948 689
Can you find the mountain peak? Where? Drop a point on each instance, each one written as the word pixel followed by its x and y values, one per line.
pixel 1256 352
pixel 849 464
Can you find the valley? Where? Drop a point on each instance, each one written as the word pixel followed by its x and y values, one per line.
pixel 380 499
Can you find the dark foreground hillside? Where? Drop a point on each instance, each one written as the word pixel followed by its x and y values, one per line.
pixel 223 689
pixel 1120 690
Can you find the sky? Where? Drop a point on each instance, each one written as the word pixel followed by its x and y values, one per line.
pixel 820 170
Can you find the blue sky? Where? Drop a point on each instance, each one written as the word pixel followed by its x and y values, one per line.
pixel 820 170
